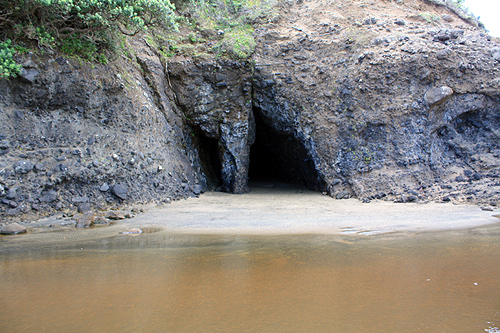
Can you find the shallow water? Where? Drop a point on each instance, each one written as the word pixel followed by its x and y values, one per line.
pixel 445 281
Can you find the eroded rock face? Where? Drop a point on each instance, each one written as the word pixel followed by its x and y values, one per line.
pixel 362 99
pixel 216 99
pixel 71 128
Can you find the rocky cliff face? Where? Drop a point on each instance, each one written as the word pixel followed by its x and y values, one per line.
pixel 75 137
pixel 368 99
pixel 385 102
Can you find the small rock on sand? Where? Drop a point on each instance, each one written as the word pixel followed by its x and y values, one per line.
pixel 13 229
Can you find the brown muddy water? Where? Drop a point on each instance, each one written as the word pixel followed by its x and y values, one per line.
pixel 439 281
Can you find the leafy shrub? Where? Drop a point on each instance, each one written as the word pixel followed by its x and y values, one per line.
pixel 83 48
pixel 239 41
pixel 81 26
pixel 8 67
pixel 67 17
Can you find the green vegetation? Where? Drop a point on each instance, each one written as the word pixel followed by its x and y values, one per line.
pixel 8 67
pixel 92 30
pixel 430 18
pixel 223 27
pixel 84 29
pixel 459 3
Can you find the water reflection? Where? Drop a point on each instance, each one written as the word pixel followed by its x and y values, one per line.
pixel 446 281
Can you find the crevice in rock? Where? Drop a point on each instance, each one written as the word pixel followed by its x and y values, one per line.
pixel 280 156
pixel 208 157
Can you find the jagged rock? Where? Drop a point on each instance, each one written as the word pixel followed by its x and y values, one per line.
pixel 13 229
pixel 13 193
pixel 101 221
pixel 84 220
pixel 120 191
pixel 104 187
pixel 438 95
pixel 28 74
pixel 39 167
pixel 84 208
pixel 197 189
pixel 23 167
pixel 48 196
pixel 79 199
pixel 495 53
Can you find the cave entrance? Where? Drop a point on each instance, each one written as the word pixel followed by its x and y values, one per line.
pixel 208 149
pixel 280 156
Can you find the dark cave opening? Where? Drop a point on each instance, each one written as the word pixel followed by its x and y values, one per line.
pixel 280 156
pixel 208 149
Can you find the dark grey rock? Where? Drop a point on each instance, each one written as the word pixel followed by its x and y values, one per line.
pixel 477 176
pixel 49 196
pixel 28 75
pixel 10 203
pixel 104 187
pixel 120 191
pixel 13 193
pixel 400 22
pixel 370 20
pixel 39 167
pixel 446 199
pixel 336 181
pixel 13 229
pixel 197 189
pixel 62 168
pixel 438 95
pixel 412 198
pixel 23 167
pixel 4 144
pixel 14 211
pixel 468 173
pixel 79 199
pixel 84 208
pixel 342 195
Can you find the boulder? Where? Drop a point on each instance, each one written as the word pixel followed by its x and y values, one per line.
pixel 23 167
pixel 13 229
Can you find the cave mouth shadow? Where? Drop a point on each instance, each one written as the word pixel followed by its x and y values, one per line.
pixel 279 157
pixel 208 150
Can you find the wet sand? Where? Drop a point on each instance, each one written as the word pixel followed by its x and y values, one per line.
pixel 277 209
pixel 285 209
